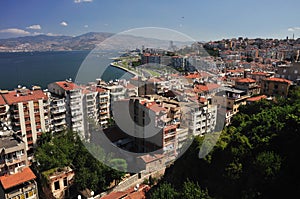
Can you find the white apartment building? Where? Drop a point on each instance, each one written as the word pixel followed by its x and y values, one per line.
pixel 28 114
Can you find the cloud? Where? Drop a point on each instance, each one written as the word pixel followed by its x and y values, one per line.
pixel 83 1
pixel 37 33
pixel 86 26
pixel 52 34
pixel 63 23
pixel 293 29
pixel 34 27
pixel 15 31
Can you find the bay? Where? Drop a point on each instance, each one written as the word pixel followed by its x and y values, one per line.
pixel 41 68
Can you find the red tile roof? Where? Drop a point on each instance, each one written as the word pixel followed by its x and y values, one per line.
pixel 115 195
pixel 204 88
pixel 150 158
pixel 257 98
pixel 245 80
pixel 259 73
pixel 275 79
pixel 193 76
pixel 100 90
pixel 129 193
pixel 26 95
pixel 2 102
pixel 130 86
pixel 16 179
pixel 154 80
pixel 153 106
pixel 67 86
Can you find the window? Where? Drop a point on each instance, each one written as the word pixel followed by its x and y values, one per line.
pixel 56 185
pixel 65 182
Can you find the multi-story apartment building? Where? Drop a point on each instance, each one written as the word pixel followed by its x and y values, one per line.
pixel 103 106
pixel 200 119
pixel 4 108
pixel 17 180
pixel 13 156
pixel 73 97
pixel 58 114
pixel 19 185
pixel 80 107
pixel 154 124
pixel 248 85
pixel 28 114
pixel 275 86
pixel 290 72
pixel 117 91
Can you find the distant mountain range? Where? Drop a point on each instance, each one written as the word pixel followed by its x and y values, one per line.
pixel 86 41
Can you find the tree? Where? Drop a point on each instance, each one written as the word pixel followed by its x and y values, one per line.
pixel 164 191
pixel 191 190
pixel 268 163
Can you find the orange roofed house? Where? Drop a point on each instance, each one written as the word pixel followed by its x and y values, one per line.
pixel 19 186
pixel 17 180
pixel 275 86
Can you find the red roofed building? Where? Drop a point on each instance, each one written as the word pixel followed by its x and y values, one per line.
pixel 81 104
pixel 72 96
pixel 131 193
pixel 275 86
pixel 258 76
pixel 29 114
pixel 19 185
pixel 255 99
pixel 248 85
pixel 157 116
pixel 206 88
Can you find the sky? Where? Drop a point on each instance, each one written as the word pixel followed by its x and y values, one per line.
pixel 203 20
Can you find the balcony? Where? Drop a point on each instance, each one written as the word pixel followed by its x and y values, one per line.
pixel 56 111
pixel 103 112
pixel 75 107
pixel 59 117
pixel 77 125
pixel 60 123
pixel 76 113
pixel 103 122
pixel 76 119
pixel 75 95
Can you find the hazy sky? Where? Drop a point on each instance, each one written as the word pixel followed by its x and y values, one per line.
pixel 202 20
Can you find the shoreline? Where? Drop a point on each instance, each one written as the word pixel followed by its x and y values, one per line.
pixel 113 64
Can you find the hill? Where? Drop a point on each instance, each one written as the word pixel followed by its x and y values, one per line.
pixel 86 41
pixel 255 157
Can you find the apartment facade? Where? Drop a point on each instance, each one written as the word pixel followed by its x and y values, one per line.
pixel 21 185
pixel 29 114
pixel 248 85
pixel 16 178
pixel 275 86
pixel 72 96
pixel 13 155
pixel 58 114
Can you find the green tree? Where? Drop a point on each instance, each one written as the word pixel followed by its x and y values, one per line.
pixel 164 191
pixel 192 190
pixel 268 163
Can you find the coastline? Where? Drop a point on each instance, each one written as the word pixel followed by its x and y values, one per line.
pixel 113 64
